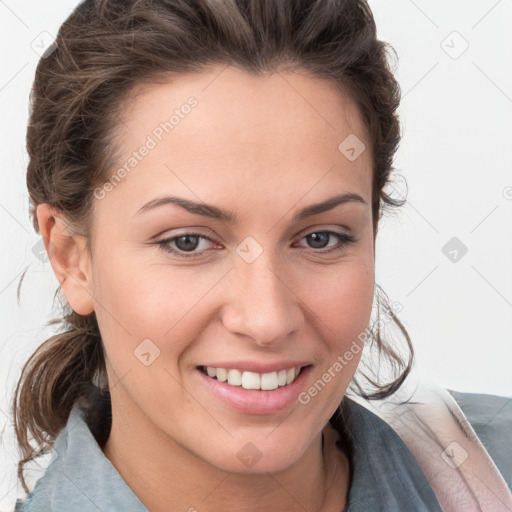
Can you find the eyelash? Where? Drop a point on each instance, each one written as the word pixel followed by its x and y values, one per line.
pixel 344 239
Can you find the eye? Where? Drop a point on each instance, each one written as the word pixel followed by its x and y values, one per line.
pixel 319 240
pixel 185 243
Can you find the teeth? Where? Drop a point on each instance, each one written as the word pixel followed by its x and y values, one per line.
pixel 269 381
pixel 250 380
pixel 253 380
pixel 234 378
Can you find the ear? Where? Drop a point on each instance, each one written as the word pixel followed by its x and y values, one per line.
pixel 69 258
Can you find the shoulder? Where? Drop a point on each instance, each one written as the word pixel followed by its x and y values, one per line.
pixel 383 469
pixel 37 499
pixel 79 477
pixel 42 497
pixel 491 419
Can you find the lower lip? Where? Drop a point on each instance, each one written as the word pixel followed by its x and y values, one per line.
pixel 253 401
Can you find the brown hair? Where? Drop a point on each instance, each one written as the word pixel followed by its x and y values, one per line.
pixel 106 48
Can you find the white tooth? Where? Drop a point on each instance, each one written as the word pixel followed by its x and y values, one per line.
pixel 221 374
pixel 234 378
pixel 211 371
pixel 250 380
pixel 297 371
pixel 269 381
pixel 281 378
pixel 290 375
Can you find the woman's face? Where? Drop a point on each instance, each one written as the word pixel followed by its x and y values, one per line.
pixel 264 290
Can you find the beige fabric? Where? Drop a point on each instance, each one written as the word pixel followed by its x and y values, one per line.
pixel 454 461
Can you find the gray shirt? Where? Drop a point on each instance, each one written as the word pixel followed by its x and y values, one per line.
pixel 384 474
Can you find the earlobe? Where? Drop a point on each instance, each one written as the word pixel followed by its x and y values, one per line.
pixel 69 258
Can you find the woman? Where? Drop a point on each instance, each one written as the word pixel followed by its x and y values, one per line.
pixel 208 178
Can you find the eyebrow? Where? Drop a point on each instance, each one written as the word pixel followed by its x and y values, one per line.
pixel 207 210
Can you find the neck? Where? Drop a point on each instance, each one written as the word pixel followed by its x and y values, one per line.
pixel 164 474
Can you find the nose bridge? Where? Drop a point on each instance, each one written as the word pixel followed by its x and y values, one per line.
pixel 264 306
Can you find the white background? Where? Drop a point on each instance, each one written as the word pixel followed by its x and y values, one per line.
pixel 455 155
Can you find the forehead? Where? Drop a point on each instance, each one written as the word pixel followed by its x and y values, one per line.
pixel 226 128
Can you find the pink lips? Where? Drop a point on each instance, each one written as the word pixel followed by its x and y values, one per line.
pixel 252 401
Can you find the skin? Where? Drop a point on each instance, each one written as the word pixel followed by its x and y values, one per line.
pixel 263 148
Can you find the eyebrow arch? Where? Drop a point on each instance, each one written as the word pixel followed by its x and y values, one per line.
pixel 229 217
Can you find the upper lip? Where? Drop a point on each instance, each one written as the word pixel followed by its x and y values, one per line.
pixel 253 366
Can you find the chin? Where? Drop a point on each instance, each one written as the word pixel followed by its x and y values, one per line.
pixel 251 460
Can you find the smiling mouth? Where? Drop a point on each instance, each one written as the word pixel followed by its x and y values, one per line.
pixel 253 380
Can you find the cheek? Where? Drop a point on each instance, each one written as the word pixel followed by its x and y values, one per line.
pixel 140 300
pixel 340 305
pixel 342 300
pixel 148 317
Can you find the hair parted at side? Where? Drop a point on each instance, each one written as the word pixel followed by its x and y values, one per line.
pixel 104 49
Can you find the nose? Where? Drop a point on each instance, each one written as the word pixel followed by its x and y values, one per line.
pixel 263 304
